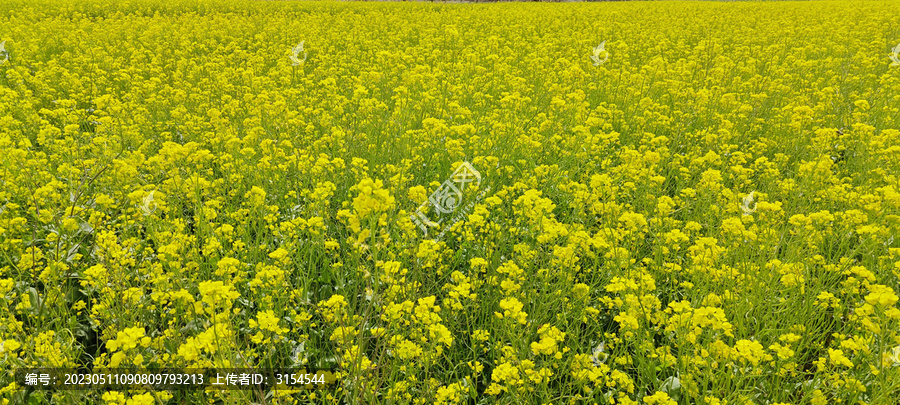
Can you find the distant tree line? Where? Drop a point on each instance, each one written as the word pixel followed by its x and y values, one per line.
pixel 547 1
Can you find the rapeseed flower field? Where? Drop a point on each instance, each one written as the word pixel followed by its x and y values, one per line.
pixel 614 203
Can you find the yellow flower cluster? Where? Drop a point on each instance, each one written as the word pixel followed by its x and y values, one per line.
pixel 702 209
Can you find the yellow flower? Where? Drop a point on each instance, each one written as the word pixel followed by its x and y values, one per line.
pixel 451 394
pixel 417 194
pixel 113 397
pixel 512 308
pixel 580 290
pixel 750 351
pixel 333 307
pixel 481 335
pixel 267 320
pixel 255 197
pixel 372 198
pixel 407 350
pixel 881 295
pixel 837 357
pixel 659 398
pixel 550 338
pixel 141 399
pixel 217 294
pixel 128 339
